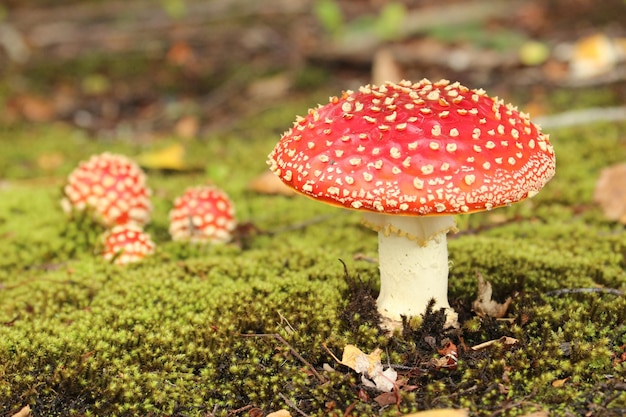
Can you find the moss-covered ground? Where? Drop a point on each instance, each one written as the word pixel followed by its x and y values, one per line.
pixel 191 331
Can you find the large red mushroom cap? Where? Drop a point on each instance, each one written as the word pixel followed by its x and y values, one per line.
pixel 127 243
pixel 113 187
pixel 203 214
pixel 423 148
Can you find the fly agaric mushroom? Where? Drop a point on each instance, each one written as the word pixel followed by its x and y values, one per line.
pixel 127 243
pixel 113 187
pixel 411 156
pixel 202 214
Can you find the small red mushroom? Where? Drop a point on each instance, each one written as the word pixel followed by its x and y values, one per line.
pixel 113 187
pixel 410 156
pixel 127 243
pixel 202 214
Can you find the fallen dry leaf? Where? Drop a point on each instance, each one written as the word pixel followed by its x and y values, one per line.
pixel 172 157
pixel 449 357
pixel 370 368
pixel 50 160
pixel 386 398
pixel 560 382
pixel 537 414
pixel 24 412
pixel 269 183
pixel 354 358
pixel 180 54
pixel 279 413
pixel 187 127
pixel 484 305
pixel 506 340
pixel 610 192
pixel 33 108
pixel 442 412
pixel 595 55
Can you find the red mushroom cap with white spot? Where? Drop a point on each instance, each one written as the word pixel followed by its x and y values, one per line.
pixel 202 214
pixel 423 148
pixel 126 244
pixel 113 187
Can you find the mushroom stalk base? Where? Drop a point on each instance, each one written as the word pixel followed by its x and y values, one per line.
pixel 413 265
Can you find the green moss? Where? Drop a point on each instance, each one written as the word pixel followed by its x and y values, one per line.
pixel 189 330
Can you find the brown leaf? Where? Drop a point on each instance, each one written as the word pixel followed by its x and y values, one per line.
pixel 180 54
pixel 449 358
pixel 386 398
pixel 269 183
pixel 484 305
pixel 187 127
pixel 256 412
pixel 34 108
pixel 610 192
pixel 449 349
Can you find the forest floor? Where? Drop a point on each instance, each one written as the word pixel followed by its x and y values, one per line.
pixel 200 92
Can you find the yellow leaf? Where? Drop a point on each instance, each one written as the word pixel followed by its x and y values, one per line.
pixel 171 157
pixel 354 358
pixel 559 382
pixel 594 55
pixel 24 412
pixel 279 413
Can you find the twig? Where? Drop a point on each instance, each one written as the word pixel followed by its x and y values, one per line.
pixel 581 117
pixel 514 405
pixel 365 258
pixel 284 319
pixel 239 410
pixel 291 349
pixel 292 405
pixel 360 46
pixel 331 353
pixel 563 291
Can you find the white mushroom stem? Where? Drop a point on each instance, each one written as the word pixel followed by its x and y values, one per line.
pixel 413 261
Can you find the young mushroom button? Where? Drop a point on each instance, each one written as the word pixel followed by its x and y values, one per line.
pixel 203 214
pixel 127 243
pixel 112 187
pixel 410 156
